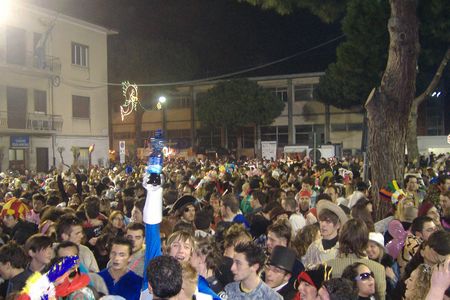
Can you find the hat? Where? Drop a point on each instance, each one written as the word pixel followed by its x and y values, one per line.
pixel 15 207
pixel 305 193
pixel 316 276
pixel 377 238
pixel 283 258
pixel 183 201
pixel 324 204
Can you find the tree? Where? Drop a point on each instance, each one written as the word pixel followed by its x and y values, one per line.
pixel 362 57
pixel 388 106
pixel 236 103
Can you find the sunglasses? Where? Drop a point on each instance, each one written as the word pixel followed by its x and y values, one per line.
pixel 364 276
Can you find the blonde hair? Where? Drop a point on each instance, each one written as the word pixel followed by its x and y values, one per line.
pixel 422 283
pixel 182 236
pixel 189 272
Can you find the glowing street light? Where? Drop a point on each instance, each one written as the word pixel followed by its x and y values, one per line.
pixel 5 10
pixel 162 99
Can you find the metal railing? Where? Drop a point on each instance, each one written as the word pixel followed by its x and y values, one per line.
pixel 35 61
pixel 35 122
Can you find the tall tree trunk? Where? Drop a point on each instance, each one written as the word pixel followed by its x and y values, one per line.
pixel 388 106
pixel 411 139
pixel 258 141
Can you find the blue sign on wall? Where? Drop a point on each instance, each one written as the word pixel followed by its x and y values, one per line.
pixel 20 141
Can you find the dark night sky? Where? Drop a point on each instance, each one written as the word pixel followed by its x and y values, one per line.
pixel 224 35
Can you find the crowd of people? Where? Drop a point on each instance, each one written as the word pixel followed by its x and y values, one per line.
pixel 232 229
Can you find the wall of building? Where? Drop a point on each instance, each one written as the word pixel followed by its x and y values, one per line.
pixel 60 83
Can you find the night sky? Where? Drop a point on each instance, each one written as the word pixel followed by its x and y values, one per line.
pixel 222 36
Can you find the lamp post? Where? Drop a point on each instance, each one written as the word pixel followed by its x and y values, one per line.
pixel 161 104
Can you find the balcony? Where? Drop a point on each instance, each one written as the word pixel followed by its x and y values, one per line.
pixel 37 122
pixel 30 62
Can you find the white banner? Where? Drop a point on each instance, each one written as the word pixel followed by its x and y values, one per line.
pixel 269 150
pixel 121 147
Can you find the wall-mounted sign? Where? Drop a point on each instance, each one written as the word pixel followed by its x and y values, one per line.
pixel 20 141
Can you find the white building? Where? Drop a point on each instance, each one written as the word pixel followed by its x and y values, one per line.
pixel 53 70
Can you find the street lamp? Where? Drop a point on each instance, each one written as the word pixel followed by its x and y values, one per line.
pixel 5 9
pixel 162 99
pixel 161 106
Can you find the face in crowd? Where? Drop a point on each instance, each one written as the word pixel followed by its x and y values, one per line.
pixel 241 269
pixel 328 229
pixel 181 250
pixel 75 235
pixel 137 238
pixel 119 257
pixel 276 276
pixel 274 240
pixel 189 213
pixel 365 281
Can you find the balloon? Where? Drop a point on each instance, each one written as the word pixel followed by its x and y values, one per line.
pixel 395 228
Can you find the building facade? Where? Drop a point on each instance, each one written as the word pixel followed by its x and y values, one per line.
pixel 302 120
pixel 53 91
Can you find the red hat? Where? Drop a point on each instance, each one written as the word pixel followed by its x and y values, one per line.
pixel 305 193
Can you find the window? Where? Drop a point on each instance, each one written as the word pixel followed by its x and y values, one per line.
pixel 280 92
pixel 40 101
pixel 15 46
pixel 16 154
pixel 304 92
pixel 80 107
pixel 179 102
pixel 80 55
pixel 347 127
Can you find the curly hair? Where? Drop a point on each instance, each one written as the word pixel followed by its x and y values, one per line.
pixel 304 238
pixel 208 247
pixel 340 289
pixel 235 233
pixel 164 275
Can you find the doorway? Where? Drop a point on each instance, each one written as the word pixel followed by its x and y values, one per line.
pixel 42 159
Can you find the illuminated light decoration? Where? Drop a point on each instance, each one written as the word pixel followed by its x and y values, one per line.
pixel 167 151
pixel 130 92
pixel 159 106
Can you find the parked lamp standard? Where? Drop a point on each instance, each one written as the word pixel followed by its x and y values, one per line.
pixel 161 105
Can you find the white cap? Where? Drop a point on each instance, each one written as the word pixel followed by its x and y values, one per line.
pixel 377 238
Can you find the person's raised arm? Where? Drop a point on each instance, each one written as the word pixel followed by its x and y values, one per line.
pixel 440 281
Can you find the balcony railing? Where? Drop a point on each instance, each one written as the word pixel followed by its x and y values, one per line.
pixel 34 122
pixel 34 61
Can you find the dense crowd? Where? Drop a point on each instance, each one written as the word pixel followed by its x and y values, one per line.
pixel 253 229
